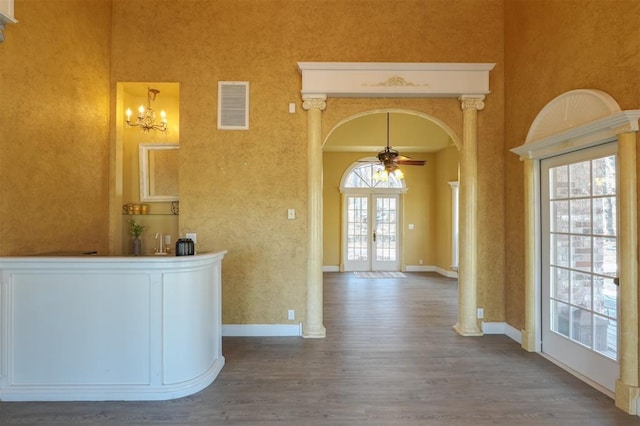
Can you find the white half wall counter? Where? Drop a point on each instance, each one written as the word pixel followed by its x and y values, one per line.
pixel 94 328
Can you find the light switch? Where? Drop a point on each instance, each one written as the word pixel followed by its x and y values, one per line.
pixel 292 108
pixel 411 226
pixel 291 214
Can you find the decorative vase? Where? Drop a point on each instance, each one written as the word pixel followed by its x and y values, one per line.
pixel 136 246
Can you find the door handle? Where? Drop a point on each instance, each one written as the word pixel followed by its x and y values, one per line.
pixel 374 236
pixel 616 281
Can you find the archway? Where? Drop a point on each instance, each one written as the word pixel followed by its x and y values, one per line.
pixel 422 229
pixel 467 82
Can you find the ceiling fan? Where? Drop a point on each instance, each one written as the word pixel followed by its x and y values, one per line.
pixel 390 158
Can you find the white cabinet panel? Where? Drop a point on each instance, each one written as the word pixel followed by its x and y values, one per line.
pixel 109 328
pixel 101 319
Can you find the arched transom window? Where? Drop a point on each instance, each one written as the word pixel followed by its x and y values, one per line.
pixel 366 175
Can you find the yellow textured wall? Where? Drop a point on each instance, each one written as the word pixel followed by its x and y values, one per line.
pixel 235 186
pixel 418 206
pixel 333 166
pixel 552 47
pixel 420 209
pixel 54 131
pixel 57 87
pixel 447 171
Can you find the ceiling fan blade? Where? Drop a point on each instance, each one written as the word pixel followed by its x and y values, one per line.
pixel 410 162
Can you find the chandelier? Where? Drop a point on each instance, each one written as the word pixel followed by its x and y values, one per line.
pixel 146 119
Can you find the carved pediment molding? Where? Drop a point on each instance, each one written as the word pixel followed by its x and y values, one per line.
pixel 382 79
pixel 395 81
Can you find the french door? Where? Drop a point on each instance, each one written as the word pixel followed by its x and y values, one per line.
pixel 370 233
pixel 580 262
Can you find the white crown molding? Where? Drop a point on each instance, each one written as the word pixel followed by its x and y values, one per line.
pixel 584 136
pixel 376 79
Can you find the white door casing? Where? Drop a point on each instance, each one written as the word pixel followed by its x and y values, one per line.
pixel 572 121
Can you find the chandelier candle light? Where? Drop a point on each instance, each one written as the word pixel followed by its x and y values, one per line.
pixel 146 117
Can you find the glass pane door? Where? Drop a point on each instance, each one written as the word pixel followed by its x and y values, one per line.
pixel 371 233
pixel 357 250
pixel 580 262
pixel 386 233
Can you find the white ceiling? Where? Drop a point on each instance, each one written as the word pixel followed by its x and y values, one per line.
pixel 368 133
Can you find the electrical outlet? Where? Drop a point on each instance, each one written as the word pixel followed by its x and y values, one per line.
pixel 193 236
pixel 291 314
pixel 480 313
pixel 291 214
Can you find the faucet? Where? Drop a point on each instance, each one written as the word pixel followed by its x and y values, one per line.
pixel 160 249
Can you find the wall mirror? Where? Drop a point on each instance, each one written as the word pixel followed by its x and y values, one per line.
pixel 158 172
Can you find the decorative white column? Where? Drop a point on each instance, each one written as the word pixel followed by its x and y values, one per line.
pixel 627 390
pixel 467 324
pixel 313 326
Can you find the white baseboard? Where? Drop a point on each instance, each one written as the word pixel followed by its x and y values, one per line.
pixel 409 268
pixel 513 333
pixel 261 330
pixel 273 330
pixel 502 328
pixel 419 268
pixel 493 327
pixel 431 268
pixel 447 273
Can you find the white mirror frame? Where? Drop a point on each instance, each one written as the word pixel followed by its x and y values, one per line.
pixel 145 188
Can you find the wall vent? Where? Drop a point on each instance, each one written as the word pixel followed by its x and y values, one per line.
pixel 233 105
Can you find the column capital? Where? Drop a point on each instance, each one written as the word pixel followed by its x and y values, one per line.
pixel 472 102
pixel 624 128
pixel 315 101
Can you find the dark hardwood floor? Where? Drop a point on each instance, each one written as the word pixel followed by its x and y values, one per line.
pixel 390 358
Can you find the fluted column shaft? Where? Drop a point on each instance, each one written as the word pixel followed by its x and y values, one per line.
pixel 467 324
pixel 313 325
